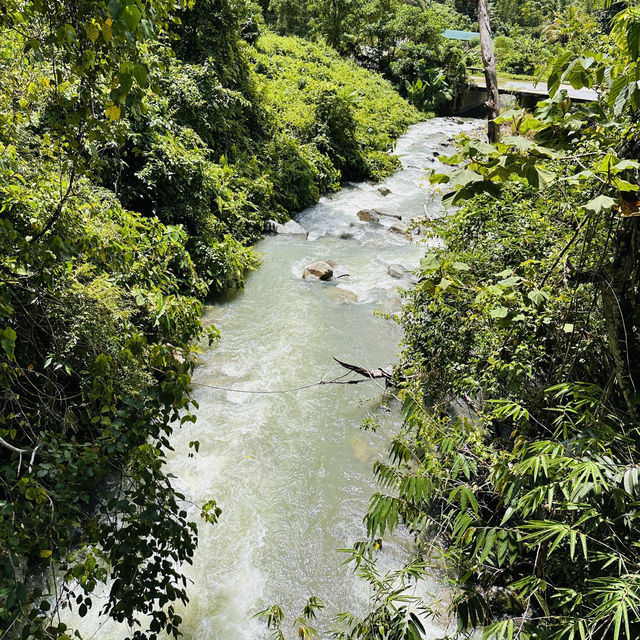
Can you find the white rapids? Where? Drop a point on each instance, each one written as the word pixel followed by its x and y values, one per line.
pixel 292 472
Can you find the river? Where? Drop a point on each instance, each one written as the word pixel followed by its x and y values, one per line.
pixel 292 472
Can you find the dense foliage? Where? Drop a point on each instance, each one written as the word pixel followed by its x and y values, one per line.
pixel 520 380
pixel 142 148
pixel 401 40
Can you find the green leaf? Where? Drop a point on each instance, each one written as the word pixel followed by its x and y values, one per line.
pixel 510 281
pixel 625 165
pixel 8 341
pixel 439 178
pixel 444 284
pixel 114 9
pixel 601 203
pixel 141 75
pixel 131 16
pixel 521 143
pixel 537 297
pixel 431 262
pixel 624 185
pixel 499 312
pixel 464 177
pixel 147 28
pixel 482 147
pixel 633 39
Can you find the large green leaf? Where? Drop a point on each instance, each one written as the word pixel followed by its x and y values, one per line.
pixel 600 203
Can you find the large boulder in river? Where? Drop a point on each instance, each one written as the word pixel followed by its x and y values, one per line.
pixel 368 215
pixel 321 270
pixel 338 271
pixel 290 228
pixel 384 191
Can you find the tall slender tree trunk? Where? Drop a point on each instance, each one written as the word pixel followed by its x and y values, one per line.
pixel 620 309
pixel 490 73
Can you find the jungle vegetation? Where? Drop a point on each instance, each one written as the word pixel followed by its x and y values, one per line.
pixel 519 376
pixel 143 144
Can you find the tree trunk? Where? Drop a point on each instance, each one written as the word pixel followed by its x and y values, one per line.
pixel 490 73
pixel 620 309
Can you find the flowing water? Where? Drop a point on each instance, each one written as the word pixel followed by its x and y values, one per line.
pixel 292 472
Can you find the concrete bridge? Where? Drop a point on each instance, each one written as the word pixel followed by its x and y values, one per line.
pixel 524 93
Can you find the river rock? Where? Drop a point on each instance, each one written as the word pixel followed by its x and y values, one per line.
pixel 396 271
pixel 290 228
pixel 362 450
pixel 400 228
pixel 321 270
pixel 385 214
pixel 341 295
pixel 338 271
pixel 368 215
pixel 384 191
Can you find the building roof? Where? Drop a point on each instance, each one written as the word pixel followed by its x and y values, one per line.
pixel 453 34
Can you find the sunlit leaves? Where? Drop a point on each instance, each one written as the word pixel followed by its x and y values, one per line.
pixel 383 515
pixel 112 112
pixel 539 528
pixel 600 203
pixel 8 342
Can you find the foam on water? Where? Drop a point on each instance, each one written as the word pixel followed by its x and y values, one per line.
pixel 292 472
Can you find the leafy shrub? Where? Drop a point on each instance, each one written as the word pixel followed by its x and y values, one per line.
pixel 97 318
pixel 294 75
pixel 335 130
pixel 297 180
pixel 520 54
pixel 441 73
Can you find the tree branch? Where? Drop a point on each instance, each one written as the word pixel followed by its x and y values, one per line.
pixel 6 445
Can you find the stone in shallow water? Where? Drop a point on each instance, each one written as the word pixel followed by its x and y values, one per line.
pixel 320 269
pixel 385 191
pixel 290 228
pixel 396 271
pixel 400 228
pixel 362 450
pixel 341 295
pixel 368 215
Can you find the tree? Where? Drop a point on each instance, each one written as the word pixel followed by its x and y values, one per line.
pixel 97 320
pixel 291 16
pixel 335 20
pixel 489 63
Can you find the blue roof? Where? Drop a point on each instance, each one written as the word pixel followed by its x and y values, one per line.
pixel 452 34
